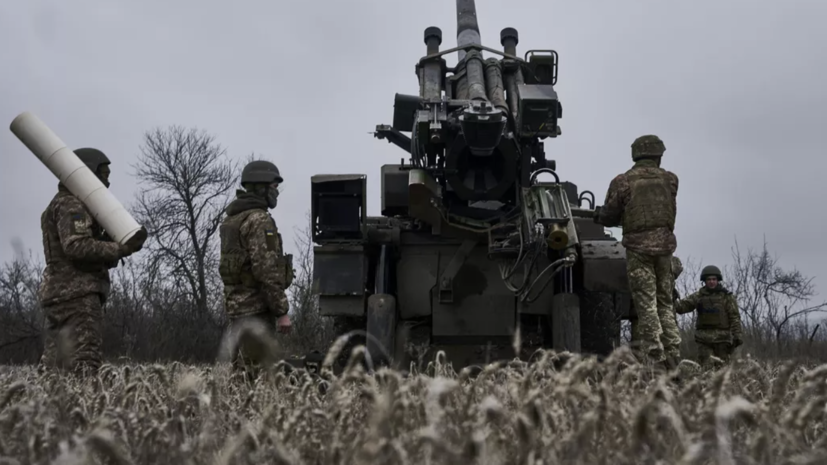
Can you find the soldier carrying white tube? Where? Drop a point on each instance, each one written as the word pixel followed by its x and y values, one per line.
pixel 75 286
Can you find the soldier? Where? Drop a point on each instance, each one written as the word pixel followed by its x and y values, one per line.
pixel 253 266
pixel 76 283
pixel 643 201
pixel 718 324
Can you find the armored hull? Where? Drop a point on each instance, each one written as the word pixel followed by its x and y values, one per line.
pixel 416 293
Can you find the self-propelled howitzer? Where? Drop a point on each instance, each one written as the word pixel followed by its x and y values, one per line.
pixel 471 245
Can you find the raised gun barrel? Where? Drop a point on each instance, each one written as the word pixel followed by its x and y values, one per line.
pixel 76 176
pixel 468 31
pixel 472 85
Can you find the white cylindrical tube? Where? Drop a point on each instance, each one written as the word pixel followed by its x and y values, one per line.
pixel 75 175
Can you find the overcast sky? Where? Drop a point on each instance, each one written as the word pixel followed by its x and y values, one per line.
pixel 735 89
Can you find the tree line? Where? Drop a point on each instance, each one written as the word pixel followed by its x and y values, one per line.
pixel 166 301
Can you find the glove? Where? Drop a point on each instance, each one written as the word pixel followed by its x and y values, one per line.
pixel 283 324
pixel 135 243
pixel 736 341
pixel 596 214
pixel 675 294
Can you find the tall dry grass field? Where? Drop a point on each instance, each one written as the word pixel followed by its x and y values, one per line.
pixel 560 409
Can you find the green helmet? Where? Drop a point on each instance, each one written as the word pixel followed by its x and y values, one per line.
pixel 647 146
pixel 93 158
pixel 260 171
pixel 711 270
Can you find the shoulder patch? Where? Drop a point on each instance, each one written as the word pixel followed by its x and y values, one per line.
pixel 79 224
pixel 271 239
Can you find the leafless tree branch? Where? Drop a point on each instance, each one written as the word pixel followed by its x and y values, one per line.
pixel 186 182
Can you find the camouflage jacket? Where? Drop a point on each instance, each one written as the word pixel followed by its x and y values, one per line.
pixel 718 319
pixel 648 216
pixel 253 267
pixel 78 252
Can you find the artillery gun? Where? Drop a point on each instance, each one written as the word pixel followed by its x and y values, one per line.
pixel 471 245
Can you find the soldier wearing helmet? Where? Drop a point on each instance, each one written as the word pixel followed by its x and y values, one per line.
pixel 75 282
pixel 253 267
pixel 718 323
pixel 643 202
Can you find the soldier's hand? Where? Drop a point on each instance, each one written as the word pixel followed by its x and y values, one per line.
pixel 283 324
pixel 596 214
pixel 135 243
pixel 675 295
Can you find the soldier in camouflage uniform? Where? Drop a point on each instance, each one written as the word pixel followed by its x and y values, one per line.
pixel 643 202
pixel 718 324
pixel 75 282
pixel 253 267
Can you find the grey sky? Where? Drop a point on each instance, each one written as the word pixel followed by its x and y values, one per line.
pixel 734 88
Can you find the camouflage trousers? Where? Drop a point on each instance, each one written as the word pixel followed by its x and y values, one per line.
pixel 252 343
pixel 72 338
pixel 717 342
pixel 655 335
pixel 722 350
pixel 637 336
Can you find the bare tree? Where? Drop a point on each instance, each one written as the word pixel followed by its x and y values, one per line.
pixel 187 181
pixel 687 283
pixel 690 279
pixel 769 296
pixel 311 330
pixel 20 314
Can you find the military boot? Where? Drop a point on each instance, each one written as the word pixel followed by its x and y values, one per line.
pixel 673 364
pixel 657 365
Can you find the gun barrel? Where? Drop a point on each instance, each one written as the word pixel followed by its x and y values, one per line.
pixel 468 31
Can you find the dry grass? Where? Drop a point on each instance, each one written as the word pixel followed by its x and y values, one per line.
pixel 577 412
